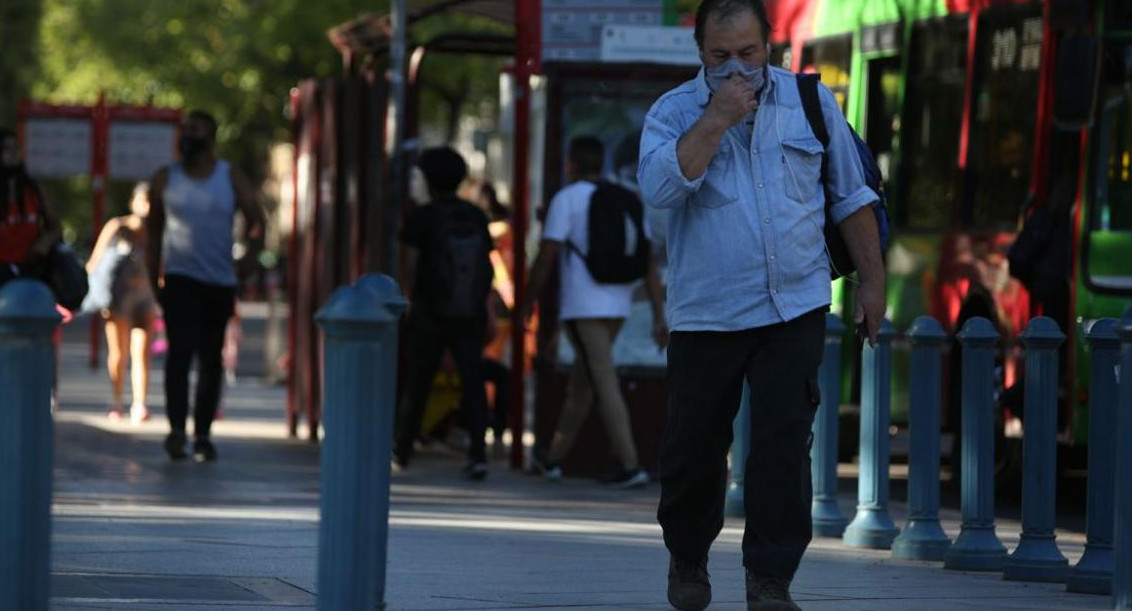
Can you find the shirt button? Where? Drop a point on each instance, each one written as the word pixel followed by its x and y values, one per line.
pixel 772 257
pixel 766 221
pixel 760 185
pixel 775 291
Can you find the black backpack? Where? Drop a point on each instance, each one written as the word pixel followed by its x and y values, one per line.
pixel 618 251
pixel 841 263
pixel 460 272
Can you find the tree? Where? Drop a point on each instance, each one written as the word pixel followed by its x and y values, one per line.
pixel 19 58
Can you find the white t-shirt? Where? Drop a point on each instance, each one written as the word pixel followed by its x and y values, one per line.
pixel 567 222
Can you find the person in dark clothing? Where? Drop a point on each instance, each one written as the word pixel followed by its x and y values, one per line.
pixel 192 206
pixel 448 276
pixel 28 227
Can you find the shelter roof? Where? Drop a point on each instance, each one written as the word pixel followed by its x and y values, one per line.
pixel 371 33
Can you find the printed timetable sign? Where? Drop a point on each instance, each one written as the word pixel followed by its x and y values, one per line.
pixel 58 147
pixel 572 30
pixel 140 148
pixel 650 44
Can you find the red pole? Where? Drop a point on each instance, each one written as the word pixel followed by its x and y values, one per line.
pixel 98 174
pixel 293 270
pixel 526 61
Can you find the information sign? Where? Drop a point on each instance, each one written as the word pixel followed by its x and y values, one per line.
pixel 58 147
pixel 572 29
pixel 140 148
pixel 653 44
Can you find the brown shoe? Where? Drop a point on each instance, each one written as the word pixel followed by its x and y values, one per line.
pixel 766 593
pixel 689 585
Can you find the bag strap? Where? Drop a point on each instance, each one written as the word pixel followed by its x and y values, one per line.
pixel 811 104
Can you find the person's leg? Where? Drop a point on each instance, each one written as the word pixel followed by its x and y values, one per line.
pixel 466 344
pixel 218 304
pixel 777 487
pixel 705 385
pixel 117 343
pixel 140 347
pixel 597 338
pixel 498 375
pixel 180 301
pixel 579 398
pixel 425 351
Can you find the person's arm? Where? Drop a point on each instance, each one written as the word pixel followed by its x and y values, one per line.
pixel 674 160
pixel 851 210
pixel 51 231
pixel 540 271
pixel 409 270
pixel 863 240
pixel 246 203
pixel 108 230
pixel 155 227
pixel 656 299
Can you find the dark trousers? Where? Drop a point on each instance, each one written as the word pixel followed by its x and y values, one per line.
pixel 195 316
pixel 426 339
pixel 705 384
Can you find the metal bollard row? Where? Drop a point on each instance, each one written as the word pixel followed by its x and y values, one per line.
pixel 1106 565
pixel 359 324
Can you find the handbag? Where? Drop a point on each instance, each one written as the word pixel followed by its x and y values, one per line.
pixel 101 281
pixel 66 276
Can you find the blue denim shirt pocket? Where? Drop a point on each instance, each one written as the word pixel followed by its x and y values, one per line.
pixel 801 159
pixel 718 188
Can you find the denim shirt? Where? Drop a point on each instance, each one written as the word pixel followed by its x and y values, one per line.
pixel 746 247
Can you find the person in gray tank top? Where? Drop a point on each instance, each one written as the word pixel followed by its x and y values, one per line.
pixel 193 204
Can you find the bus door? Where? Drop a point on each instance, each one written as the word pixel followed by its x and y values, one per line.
pixel 1106 245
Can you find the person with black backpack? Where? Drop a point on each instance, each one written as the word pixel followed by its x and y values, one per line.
pixel 448 277
pixel 751 178
pixel 597 230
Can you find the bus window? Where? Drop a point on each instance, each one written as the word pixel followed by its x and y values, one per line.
pixel 830 57
pixel 1108 246
pixel 881 111
pixel 932 118
pixel 1004 113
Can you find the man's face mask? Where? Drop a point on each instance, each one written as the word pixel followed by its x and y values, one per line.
pixel 717 75
pixel 191 146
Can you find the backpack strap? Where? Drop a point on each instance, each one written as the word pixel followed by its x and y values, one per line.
pixel 811 104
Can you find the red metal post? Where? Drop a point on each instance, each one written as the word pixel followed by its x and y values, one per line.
pixel 98 172
pixel 526 62
pixel 293 270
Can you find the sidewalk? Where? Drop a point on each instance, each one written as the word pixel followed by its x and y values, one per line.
pixel 133 531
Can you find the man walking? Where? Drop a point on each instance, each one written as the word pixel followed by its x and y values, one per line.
pixel 731 156
pixel 584 214
pixel 192 207
pixel 448 276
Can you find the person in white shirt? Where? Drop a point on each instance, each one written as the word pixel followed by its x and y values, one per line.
pixel 593 312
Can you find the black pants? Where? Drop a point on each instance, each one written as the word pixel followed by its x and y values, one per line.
pixel 705 385
pixel 426 339
pixel 195 317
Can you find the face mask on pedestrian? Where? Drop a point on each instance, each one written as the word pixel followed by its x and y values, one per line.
pixel 191 146
pixel 717 75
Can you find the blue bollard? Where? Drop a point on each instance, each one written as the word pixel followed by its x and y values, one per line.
pixel 1122 533
pixel 827 517
pixel 923 537
pixel 359 324
pixel 873 527
pixel 27 370
pixel 740 450
pixel 1037 558
pixel 1093 573
pixel 977 547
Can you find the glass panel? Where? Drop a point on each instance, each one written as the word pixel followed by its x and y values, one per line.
pixel 830 57
pixel 1109 240
pixel 933 117
pixel 1113 202
pixel 1008 57
pixel 881 111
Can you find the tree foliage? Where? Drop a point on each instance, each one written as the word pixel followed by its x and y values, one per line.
pixel 238 59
